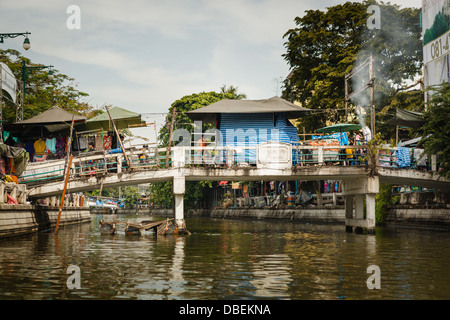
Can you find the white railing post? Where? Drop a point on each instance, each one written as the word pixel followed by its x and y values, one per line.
pixel 433 162
pixel 179 157
pixel 320 155
pixel 119 159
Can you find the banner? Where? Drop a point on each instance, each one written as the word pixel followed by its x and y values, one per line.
pixel 436 42
pixel 435 19
pixel 9 82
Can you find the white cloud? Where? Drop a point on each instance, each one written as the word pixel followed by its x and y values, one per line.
pixel 146 54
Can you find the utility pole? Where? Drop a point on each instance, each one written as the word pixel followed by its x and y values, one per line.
pixel 370 85
pixel 372 96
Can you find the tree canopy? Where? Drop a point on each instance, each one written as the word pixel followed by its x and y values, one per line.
pixel 41 92
pixel 436 130
pixel 327 45
pixel 161 193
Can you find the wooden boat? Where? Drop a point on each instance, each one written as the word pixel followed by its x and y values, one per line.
pixel 167 228
pixel 107 227
pixel 133 229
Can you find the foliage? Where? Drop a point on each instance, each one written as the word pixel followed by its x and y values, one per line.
pixel 325 46
pixel 436 131
pixel 441 25
pixel 131 196
pixel 234 91
pixel 185 104
pixel 161 193
pixel 41 92
pixel 371 158
pixel 382 201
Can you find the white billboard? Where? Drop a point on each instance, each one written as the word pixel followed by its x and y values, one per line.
pixel 9 82
pixel 436 41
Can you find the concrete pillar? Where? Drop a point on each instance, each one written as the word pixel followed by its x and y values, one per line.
pixel 178 191
pixel 359 206
pixel 360 189
pixel 349 211
pixel 370 212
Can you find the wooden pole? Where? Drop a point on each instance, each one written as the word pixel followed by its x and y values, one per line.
pixel 118 137
pixel 372 96
pixel 174 110
pixel 63 194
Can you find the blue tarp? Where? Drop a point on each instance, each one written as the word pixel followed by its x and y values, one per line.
pixel 403 157
pixel 341 136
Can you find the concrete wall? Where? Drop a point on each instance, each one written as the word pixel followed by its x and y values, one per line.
pixel 414 216
pixel 419 216
pixel 24 219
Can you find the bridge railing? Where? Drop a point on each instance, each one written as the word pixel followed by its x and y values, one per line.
pixel 266 155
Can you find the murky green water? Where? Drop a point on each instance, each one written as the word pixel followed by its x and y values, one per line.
pixel 227 259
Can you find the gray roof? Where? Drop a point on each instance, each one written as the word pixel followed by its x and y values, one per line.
pixel 53 115
pixel 274 104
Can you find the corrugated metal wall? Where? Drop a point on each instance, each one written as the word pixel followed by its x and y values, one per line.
pixel 243 129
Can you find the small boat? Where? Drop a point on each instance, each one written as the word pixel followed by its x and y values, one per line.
pixel 167 227
pixel 133 229
pixel 107 227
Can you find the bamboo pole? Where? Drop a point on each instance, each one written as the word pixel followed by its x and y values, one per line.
pixel 174 111
pixel 63 194
pixel 118 137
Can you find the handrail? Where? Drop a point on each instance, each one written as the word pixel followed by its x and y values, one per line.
pixel 88 165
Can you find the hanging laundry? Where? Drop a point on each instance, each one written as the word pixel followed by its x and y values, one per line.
pixel 403 157
pixel 107 141
pixel 50 143
pixel 39 147
pixel 60 147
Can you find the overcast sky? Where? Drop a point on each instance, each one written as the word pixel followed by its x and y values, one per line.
pixel 143 55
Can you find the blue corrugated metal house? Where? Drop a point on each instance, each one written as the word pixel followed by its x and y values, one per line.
pixel 247 123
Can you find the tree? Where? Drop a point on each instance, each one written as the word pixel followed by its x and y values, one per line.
pixel 161 193
pixel 436 131
pixel 43 93
pixel 233 90
pixel 325 46
pixel 132 196
pixel 185 104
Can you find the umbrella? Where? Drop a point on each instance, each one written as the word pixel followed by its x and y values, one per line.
pixel 122 119
pixel 340 127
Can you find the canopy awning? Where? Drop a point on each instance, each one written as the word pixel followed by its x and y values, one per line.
pixel 406 118
pixel 340 127
pixel 122 119
pixel 274 104
pixel 53 119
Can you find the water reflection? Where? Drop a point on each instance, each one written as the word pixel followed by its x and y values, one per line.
pixel 227 259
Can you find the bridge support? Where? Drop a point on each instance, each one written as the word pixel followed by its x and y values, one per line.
pixel 178 191
pixel 355 192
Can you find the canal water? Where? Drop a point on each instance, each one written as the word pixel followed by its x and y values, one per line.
pixel 227 259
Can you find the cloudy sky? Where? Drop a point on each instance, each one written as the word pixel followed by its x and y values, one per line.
pixel 143 55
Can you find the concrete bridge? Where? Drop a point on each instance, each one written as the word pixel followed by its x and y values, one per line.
pixel 265 162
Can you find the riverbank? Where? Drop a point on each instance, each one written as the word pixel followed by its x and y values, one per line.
pixel 415 216
pixel 21 219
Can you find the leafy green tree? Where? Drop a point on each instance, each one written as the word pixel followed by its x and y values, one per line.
pixel 234 91
pixel 161 193
pixel 131 195
pixel 41 92
pixel 327 45
pixel 185 104
pixel 436 131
